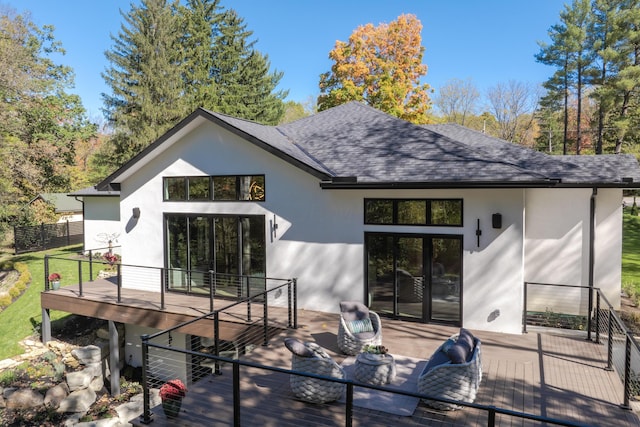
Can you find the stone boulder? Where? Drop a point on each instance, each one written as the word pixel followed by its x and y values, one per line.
pixel 78 401
pixel 24 398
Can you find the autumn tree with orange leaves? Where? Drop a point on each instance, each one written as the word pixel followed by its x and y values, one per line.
pixel 381 66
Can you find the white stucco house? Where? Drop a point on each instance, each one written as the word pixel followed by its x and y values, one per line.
pixel 433 223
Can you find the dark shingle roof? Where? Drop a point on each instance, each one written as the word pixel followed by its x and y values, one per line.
pixel 354 144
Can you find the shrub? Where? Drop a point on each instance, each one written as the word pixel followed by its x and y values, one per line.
pixel 5 301
pixel 14 292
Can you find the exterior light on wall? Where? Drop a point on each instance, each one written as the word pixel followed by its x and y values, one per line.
pixel 496 220
pixel 136 213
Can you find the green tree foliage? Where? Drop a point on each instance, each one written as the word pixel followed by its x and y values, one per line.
pixel 40 122
pixel 145 77
pixel 596 51
pixel 381 66
pixel 169 59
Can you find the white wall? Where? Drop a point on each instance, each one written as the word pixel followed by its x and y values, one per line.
pixel 166 365
pixel 102 222
pixel 557 246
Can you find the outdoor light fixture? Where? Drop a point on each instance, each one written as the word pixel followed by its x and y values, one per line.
pixel 136 213
pixel 496 220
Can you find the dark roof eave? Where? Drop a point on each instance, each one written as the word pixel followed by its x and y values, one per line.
pixel 351 184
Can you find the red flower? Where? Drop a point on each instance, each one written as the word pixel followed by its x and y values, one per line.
pixel 111 258
pixel 54 277
pixel 174 389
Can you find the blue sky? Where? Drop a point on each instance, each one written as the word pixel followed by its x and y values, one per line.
pixel 490 41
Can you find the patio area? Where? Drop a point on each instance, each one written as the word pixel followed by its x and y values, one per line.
pixel 547 372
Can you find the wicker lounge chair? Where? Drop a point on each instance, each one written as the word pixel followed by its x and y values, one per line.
pixel 454 372
pixel 358 327
pixel 311 358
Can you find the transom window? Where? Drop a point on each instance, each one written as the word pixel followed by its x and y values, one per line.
pixel 206 188
pixel 441 212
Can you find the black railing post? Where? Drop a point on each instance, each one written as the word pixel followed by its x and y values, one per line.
pixel 295 303
pixel 216 340
pixel 265 322
pixel 46 272
pixel 212 290
pixel 627 373
pixel 289 305
pixel 118 267
pixel 597 317
pixel 236 394
pixel 163 286
pixel 80 292
pixel 249 300
pixel 349 405
pixel 589 314
pixel 610 342
pixel 524 310
pixel 491 421
pixel 90 264
pixel 146 416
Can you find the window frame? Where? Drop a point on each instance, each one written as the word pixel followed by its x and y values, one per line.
pixel 211 188
pixel 428 211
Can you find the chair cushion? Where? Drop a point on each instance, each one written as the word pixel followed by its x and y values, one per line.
pixel 437 359
pixel 466 337
pixel 363 336
pixel 360 326
pixel 458 353
pixel 353 310
pixel 298 348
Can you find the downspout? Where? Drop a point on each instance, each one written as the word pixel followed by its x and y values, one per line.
pixel 592 238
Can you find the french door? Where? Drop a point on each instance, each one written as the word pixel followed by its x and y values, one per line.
pixel 415 276
pixel 228 245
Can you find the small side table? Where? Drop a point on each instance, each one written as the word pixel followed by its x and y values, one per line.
pixel 375 369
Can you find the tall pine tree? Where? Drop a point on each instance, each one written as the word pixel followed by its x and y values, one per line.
pixel 170 59
pixel 145 77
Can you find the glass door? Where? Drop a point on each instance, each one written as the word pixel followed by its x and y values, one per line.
pixel 415 276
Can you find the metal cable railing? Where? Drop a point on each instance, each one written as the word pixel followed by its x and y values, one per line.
pixel 224 400
pixel 587 308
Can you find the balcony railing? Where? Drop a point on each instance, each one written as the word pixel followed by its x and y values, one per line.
pixel 164 360
pixel 586 308
pixel 88 267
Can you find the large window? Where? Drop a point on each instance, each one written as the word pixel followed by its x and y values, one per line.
pixel 229 246
pixel 442 212
pixel 206 188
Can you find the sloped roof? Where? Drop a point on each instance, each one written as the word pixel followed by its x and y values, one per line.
pixel 61 201
pixel 356 145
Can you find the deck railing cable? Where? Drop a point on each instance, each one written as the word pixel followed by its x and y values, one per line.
pixel 554 305
pixel 163 360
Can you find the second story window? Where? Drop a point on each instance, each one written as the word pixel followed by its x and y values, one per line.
pixel 220 188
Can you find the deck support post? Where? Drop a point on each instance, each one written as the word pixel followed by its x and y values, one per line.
pixel 46 326
pixel 114 358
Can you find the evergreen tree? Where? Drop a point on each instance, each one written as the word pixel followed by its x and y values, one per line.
pixel 200 27
pixel 244 86
pixel 146 78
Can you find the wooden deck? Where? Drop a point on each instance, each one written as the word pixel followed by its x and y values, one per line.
pixel 552 373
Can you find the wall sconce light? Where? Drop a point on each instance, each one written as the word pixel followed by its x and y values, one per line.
pixel 136 213
pixel 496 220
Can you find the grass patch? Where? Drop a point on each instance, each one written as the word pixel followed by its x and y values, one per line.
pixel 631 256
pixel 23 317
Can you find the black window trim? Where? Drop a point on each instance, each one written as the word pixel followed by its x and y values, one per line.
pixel 427 201
pixel 211 198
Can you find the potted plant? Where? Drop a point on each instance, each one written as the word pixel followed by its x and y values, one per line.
pixel 375 351
pixel 171 394
pixel 54 280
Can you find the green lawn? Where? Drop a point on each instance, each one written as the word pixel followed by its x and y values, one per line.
pixel 23 318
pixel 631 256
